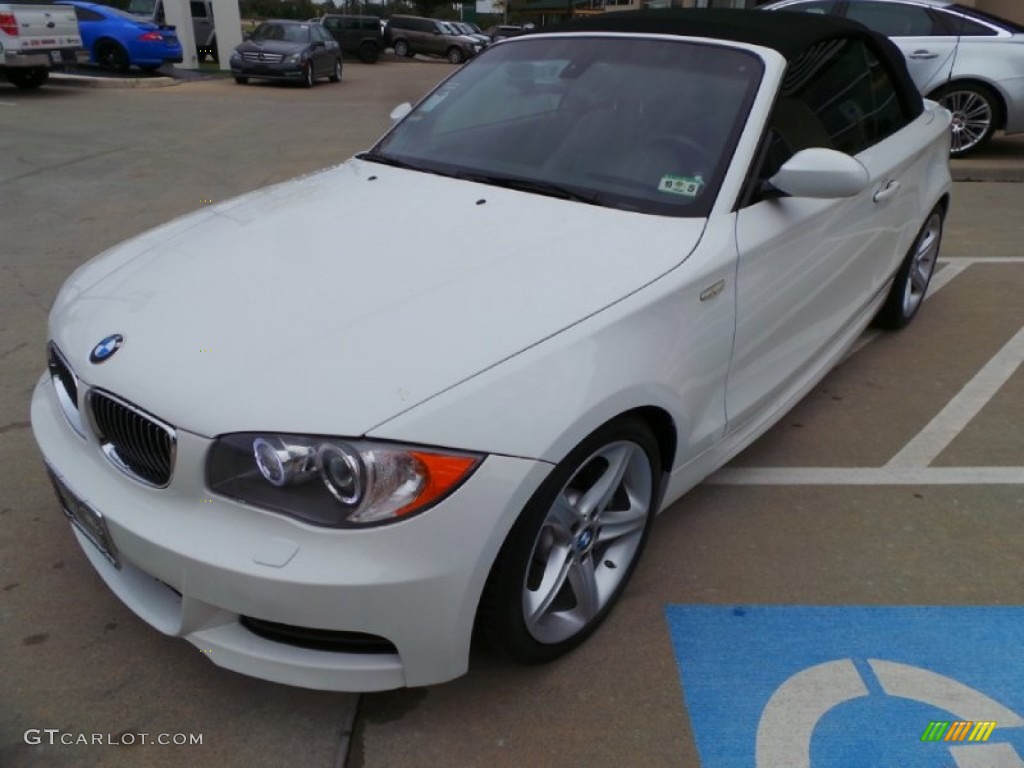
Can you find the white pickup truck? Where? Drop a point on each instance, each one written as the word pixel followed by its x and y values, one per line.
pixel 35 37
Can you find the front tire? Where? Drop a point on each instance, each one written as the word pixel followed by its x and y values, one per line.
pixel 336 75
pixel 914 275
pixel 28 78
pixel 308 79
pixel 975 111
pixel 402 48
pixel 241 80
pixel 570 554
pixel 455 55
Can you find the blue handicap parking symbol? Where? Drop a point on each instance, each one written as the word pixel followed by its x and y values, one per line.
pixel 852 687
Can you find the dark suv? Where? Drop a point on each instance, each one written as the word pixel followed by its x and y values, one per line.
pixel 357 35
pixel 409 35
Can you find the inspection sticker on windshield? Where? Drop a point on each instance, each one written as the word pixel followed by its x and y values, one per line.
pixel 681 185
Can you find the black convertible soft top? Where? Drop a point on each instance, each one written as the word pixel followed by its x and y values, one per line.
pixel 791 33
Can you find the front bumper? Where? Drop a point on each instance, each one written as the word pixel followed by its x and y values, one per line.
pixel 281 71
pixel 194 565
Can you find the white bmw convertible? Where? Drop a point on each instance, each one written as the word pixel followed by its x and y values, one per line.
pixel 329 465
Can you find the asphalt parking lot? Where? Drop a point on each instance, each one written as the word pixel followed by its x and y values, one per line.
pixel 878 522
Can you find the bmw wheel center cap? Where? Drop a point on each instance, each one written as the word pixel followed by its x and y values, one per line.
pixel 106 348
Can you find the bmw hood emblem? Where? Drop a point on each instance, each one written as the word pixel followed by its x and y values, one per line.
pixel 106 348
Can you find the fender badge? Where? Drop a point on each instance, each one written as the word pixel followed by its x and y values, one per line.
pixel 106 348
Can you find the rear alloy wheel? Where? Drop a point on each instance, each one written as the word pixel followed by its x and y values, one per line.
pixel 974 109
pixel 402 48
pixel 568 557
pixel 455 55
pixel 368 53
pixel 307 75
pixel 27 78
pixel 110 55
pixel 914 275
pixel 336 76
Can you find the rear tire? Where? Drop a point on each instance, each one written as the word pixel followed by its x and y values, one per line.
pixel 914 275
pixel 570 554
pixel 110 55
pixel 976 111
pixel 28 78
pixel 402 48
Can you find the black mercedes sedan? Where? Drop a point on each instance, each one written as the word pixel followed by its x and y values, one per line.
pixel 288 50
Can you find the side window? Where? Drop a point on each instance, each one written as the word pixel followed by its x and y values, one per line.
pixel 84 14
pixel 350 23
pixel 957 24
pixel 851 94
pixel 896 19
pixel 814 6
pixel 198 9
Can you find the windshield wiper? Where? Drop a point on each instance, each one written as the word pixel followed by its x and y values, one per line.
pixel 376 157
pixel 537 186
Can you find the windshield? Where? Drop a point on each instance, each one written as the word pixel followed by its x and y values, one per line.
pixel 291 33
pixel 638 124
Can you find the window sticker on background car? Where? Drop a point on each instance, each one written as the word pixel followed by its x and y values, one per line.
pixel 681 185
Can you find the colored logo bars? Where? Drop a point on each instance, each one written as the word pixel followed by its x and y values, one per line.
pixel 958 730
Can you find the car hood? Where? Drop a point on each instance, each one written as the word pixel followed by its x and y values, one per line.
pixel 333 302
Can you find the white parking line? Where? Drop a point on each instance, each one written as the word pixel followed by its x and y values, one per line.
pixel 968 402
pixel 868 476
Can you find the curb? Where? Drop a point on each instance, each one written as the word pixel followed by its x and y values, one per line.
pixel 86 81
pixel 997 173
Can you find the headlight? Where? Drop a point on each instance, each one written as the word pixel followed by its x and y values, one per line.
pixel 358 482
pixel 295 58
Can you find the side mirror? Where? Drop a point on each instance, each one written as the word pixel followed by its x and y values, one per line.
pixel 821 173
pixel 400 111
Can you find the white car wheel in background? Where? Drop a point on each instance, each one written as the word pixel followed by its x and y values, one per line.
pixel 974 109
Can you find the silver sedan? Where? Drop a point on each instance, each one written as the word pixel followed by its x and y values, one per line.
pixel 969 61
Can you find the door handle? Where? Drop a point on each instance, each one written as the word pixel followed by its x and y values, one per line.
pixel 889 190
pixel 924 54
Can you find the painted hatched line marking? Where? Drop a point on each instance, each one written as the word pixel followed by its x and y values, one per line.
pixel 910 466
pixel 927 444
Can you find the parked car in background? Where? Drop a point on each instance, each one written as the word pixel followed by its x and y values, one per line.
pixel 359 36
pixel 433 441
pixel 501 31
pixel 409 35
pixel 118 40
pixel 300 51
pixel 34 38
pixel 970 62
pixel 462 28
pixel 203 27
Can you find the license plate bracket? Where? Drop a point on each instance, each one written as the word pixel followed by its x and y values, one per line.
pixel 89 521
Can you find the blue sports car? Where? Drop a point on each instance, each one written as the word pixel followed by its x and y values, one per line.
pixel 116 39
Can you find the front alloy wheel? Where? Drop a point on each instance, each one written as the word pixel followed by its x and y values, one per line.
pixel 307 75
pixel 569 556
